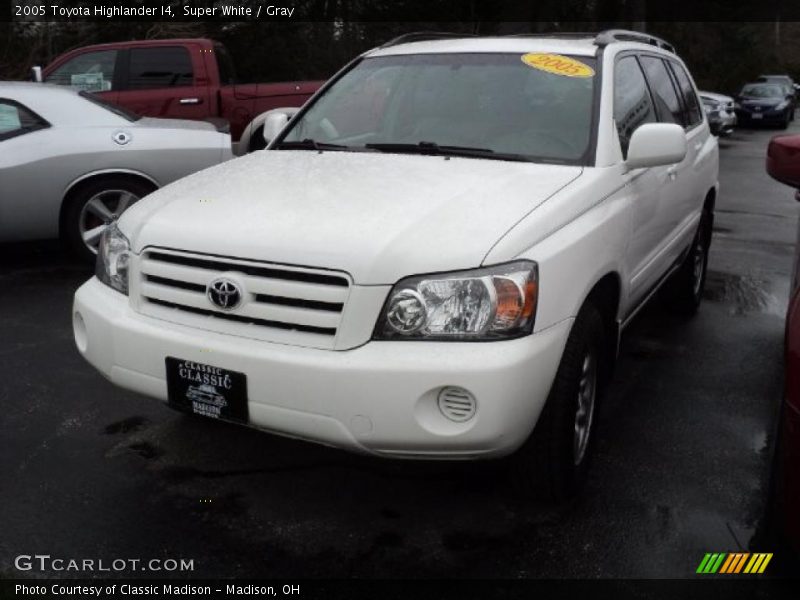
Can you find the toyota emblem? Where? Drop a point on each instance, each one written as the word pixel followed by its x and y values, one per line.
pixel 224 293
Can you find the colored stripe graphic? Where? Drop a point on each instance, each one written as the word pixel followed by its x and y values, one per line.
pixel 734 563
pixel 740 563
pixel 711 563
pixel 727 564
pixel 703 563
pixel 714 567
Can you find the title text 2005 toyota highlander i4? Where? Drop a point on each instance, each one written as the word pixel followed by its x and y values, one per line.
pixel 433 259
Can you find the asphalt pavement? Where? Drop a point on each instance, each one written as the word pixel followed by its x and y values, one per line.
pixel 90 471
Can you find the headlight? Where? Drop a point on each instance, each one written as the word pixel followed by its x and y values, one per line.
pixel 483 304
pixel 782 105
pixel 113 255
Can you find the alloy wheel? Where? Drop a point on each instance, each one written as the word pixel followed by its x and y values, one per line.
pixel 584 416
pixel 99 212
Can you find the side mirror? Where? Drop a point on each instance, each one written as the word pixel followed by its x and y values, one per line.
pixel 274 124
pixel 36 74
pixel 655 145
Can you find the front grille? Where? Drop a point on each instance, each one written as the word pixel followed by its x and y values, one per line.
pixel 280 303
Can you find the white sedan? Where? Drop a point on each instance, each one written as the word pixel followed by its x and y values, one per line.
pixel 70 164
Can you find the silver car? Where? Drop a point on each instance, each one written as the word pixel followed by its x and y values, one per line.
pixel 70 163
pixel 720 112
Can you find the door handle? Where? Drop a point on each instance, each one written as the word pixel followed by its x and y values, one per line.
pixel 697 146
pixel 189 101
pixel 672 173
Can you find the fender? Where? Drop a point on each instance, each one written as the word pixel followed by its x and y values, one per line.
pixel 86 176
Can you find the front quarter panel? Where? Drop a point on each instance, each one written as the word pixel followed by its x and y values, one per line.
pixel 576 237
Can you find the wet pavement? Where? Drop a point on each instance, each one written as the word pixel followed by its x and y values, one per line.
pixel 88 470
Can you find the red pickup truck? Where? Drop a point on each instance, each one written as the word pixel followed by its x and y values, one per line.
pixel 178 78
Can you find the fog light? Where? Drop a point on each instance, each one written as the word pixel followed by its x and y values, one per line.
pixel 457 404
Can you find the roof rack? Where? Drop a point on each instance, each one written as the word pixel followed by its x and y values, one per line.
pixel 556 34
pixel 604 38
pixel 423 36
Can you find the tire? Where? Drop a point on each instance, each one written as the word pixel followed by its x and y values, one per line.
pixel 553 463
pixel 785 123
pixel 92 206
pixel 688 283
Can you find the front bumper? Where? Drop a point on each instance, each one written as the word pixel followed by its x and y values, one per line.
pixel 379 398
pixel 764 116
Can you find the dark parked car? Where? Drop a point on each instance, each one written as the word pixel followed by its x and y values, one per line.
pixel 769 103
pixel 784 79
pixel 783 163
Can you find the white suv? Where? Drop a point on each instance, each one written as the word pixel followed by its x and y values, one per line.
pixel 433 259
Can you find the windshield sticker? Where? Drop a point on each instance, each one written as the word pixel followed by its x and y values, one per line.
pixel 90 82
pixel 558 65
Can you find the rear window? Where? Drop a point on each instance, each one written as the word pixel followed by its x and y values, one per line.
pixel 153 68
pixel 227 75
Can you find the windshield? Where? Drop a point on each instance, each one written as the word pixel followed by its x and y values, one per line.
pixel 493 104
pixel 117 110
pixel 763 91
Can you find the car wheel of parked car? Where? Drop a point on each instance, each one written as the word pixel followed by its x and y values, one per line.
pixel 92 207
pixel 689 282
pixel 553 462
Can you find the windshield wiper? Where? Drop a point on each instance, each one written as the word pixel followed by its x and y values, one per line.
pixel 434 149
pixel 309 144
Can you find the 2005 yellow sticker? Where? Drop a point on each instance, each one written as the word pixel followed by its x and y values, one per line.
pixel 558 65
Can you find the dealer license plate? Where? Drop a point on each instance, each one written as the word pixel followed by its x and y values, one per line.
pixel 207 390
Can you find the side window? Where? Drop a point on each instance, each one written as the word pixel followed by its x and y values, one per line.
pixel 152 68
pixel 668 105
pixel 632 103
pixel 17 120
pixel 692 114
pixel 227 74
pixel 90 72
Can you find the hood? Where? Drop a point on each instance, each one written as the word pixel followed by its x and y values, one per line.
pixel 756 101
pixel 379 217
pixel 717 97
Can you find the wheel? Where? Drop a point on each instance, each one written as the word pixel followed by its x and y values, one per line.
pixel 92 207
pixel 786 120
pixel 553 463
pixel 686 288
